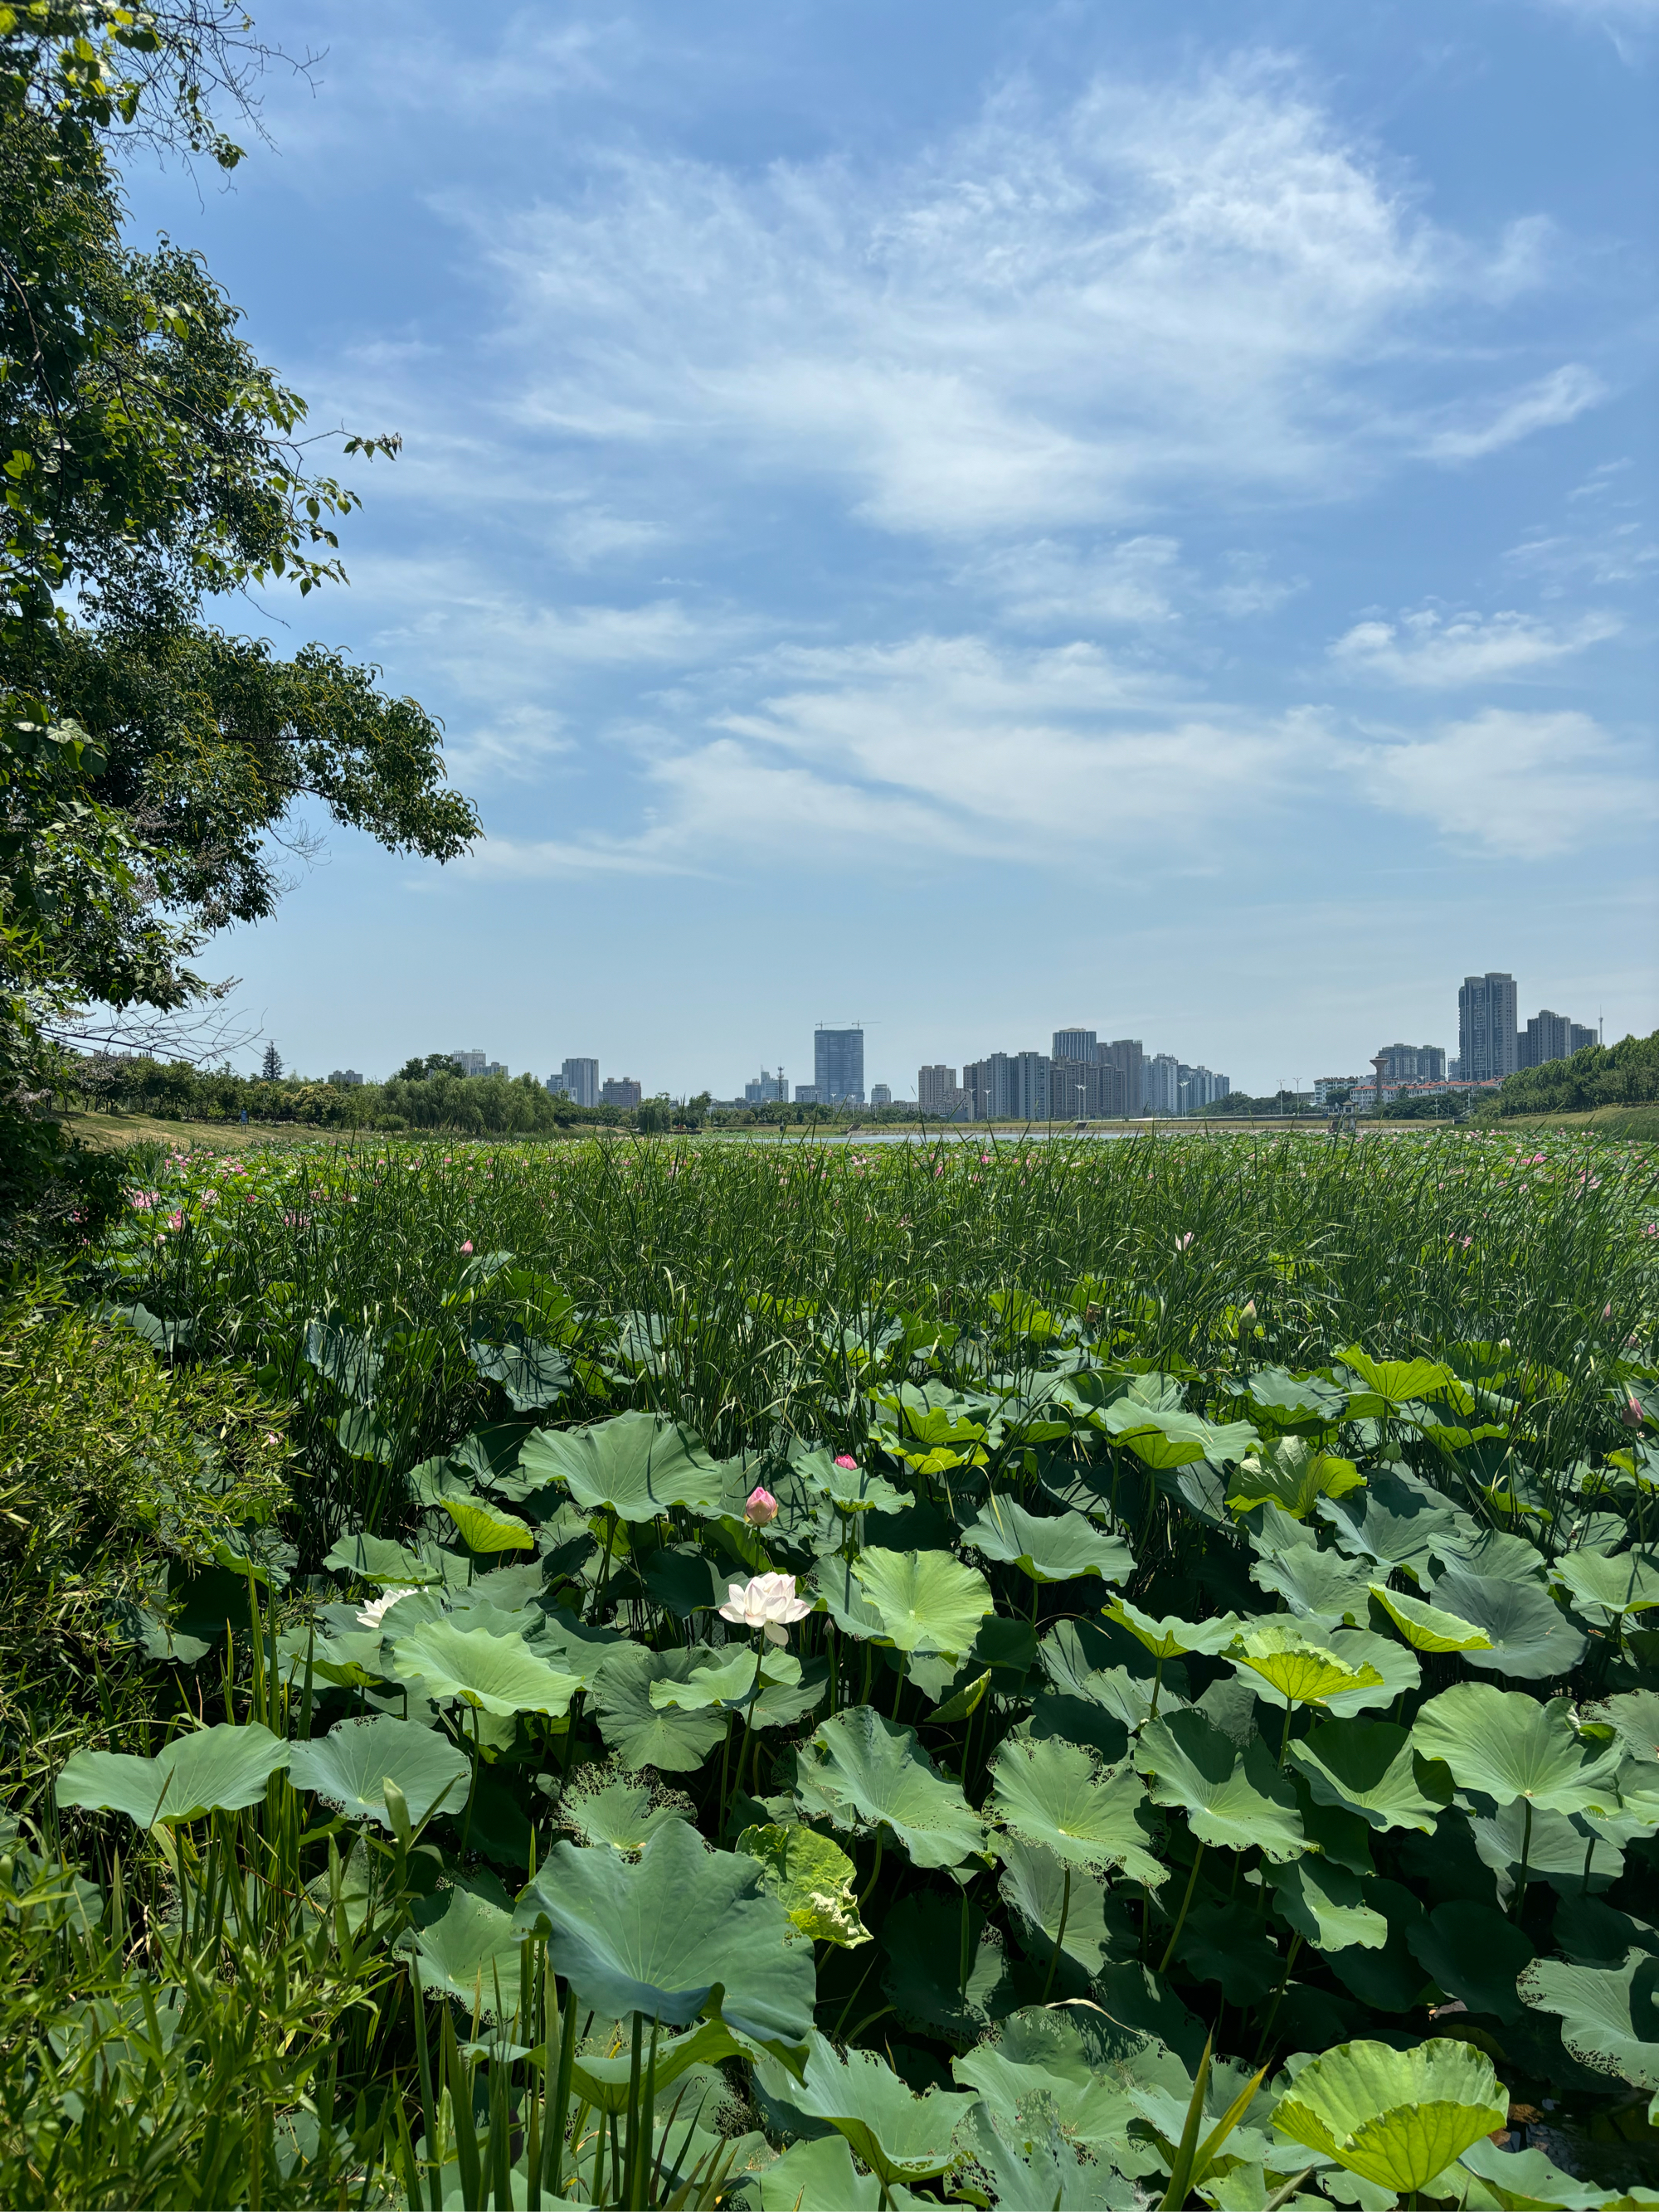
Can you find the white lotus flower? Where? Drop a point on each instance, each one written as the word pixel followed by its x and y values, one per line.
pixel 372 1614
pixel 765 1601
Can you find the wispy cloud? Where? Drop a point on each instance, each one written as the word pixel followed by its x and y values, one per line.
pixel 1481 428
pixel 1431 651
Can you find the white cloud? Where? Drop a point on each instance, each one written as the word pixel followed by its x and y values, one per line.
pixel 1133 583
pixel 1526 785
pixel 1431 651
pixel 1037 326
pixel 1559 397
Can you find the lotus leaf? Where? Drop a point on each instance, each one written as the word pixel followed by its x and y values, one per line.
pixel 634 1465
pixel 1054 1904
pixel 1058 1548
pixel 1566 1852
pixel 1611 1585
pixel 607 2082
pixel 1531 1636
pixel 1509 1746
pixel 1394 1664
pixel 496 1674
pixel 819 2170
pixel 376 1559
pixel 1230 1797
pixel 1173 1438
pixel 351 1765
pixel 534 1375
pixel 1045 2069
pixel 1219 1943
pixel 678 1931
pixel 899 2137
pixel 683 1579
pixel 213 1769
pixel 1609 2017
pixel 1293 1403
pixel 812 1879
pixel 1395 2118
pixel 1293 1475
pixel 641 1734
pixel 1321 1586
pixel 622 1813
pixel 862 1772
pixel 852 1489
pixel 1386 1386
pixel 943 1971
pixel 843 1599
pixel 725 1678
pixel 1042 2177
pixel 1167 1637
pixel 1426 1627
pixel 1399 1521
pixel 484 1529
pixel 1525 2181
pixel 927 1601
pixel 1302 1671
pixel 1056 1795
pixel 1367 1768
pixel 1326 1906
pixel 470 1951
pixel 1635 1718
pixel 1474 1954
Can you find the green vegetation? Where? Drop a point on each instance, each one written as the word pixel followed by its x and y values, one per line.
pixel 1622 1074
pixel 1187 1634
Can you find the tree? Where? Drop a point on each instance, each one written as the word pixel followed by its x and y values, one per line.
pixel 416 1070
pixel 152 464
pixel 270 1068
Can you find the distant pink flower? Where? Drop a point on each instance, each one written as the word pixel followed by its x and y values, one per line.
pixel 467 1246
pixel 1182 1242
pixel 845 1459
pixel 767 1602
pixel 1632 1415
pixel 175 1221
pixel 760 1508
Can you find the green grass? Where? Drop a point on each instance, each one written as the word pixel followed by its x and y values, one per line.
pixel 1068 1368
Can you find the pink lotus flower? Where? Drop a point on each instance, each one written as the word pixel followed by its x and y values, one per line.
pixel 845 1459
pixel 767 1602
pixel 1632 1415
pixel 1182 1242
pixel 760 1508
pixel 467 1246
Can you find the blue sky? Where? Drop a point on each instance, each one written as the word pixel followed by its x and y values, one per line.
pixel 973 517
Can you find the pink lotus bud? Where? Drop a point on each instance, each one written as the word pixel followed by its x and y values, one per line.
pixel 845 1459
pixel 760 1508
pixel 467 1246
pixel 1632 1415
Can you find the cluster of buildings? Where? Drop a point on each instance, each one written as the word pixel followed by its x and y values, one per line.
pixel 1079 1078
pixel 1490 1044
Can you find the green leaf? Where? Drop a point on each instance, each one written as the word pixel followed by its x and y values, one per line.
pixel 621 1812
pixel 214 1770
pixel 1531 1637
pixel 1389 1385
pixel 1055 1795
pixel 674 1742
pixel 1527 2181
pixel 1426 1627
pixel 469 1948
pixel 926 1600
pixel 533 1374
pixel 811 1878
pixel 862 1772
pixel 1166 1638
pixel 854 1489
pixel 351 1765
pixel 1057 1548
pixel 1299 1670
pixel 1367 1768
pixel 944 1970
pixel 1475 1953
pixel 1611 1585
pixel 375 1559
pixel 1171 1439
pixel 1231 1798
pixel 1609 2017
pixel 1297 1403
pixel 1294 1474
pixel 1046 2070
pixel 1395 1666
pixel 496 1674
pixel 966 1702
pixel 1319 1586
pixel 1041 1893
pixel 1509 1746
pixel 1395 2117
pixel 819 2170
pixel 484 1529
pixel 1045 2177
pixel 1326 1906
pixel 723 1678
pixel 835 1583
pixel 608 2085
pixel 681 1932
pixel 636 1466
pixel 899 2137
pixel 1399 1521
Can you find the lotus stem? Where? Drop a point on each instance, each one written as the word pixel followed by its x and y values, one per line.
pixel 1181 1921
pixel 1060 1940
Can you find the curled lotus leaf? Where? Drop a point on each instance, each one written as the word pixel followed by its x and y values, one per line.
pixel 1609 2016
pixel 1056 1794
pixel 900 2136
pixel 1367 1768
pixel 351 1765
pixel 485 1528
pixel 214 1770
pixel 1302 1671
pixel 812 1878
pixel 1293 1475
pixel 1233 1798
pixel 861 1772
pixel 1609 1585
pixel 1395 2117
pixel 498 1674
pixel 1529 1636
pixel 634 1465
pixel 1426 1627
pixel 1326 1906
pixel 1170 1636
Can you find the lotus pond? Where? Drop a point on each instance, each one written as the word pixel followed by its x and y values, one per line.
pixel 1063 1676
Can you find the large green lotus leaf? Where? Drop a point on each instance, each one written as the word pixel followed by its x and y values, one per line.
pixel 861 1772
pixel 1319 1586
pixel 1389 1980
pixel 661 1933
pixel 1057 1548
pixel 899 2137
pixel 1611 1584
pixel 943 1971
pixel 470 1951
pixel 725 1678
pixel 1302 1671
pixel 533 1373
pixel 607 2082
pixel 1326 1906
pixel 483 1529
pixel 1565 1852
pixel 927 1601
pixel 853 1489
pixel 1609 2018
pixel 1046 2177
pixel 1527 2181
pixel 575 1649
pixel 1307 1404
pixel 819 2170
pixel 1399 1521
pixel 1230 1797
pixel 813 1880
pixel 635 1465
pixel 620 1812
pixel 673 1742
pixel 1293 1473
pixel 1395 1664
pixel 1042 1893
pixel 1635 1718
pixel 1531 1636
pixel 496 1674
pixel 1395 2118
pixel 377 1559
pixel 1475 1953
pixel 1426 1627
pixel 1043 2070
pixel 1219 1943
pixel 1167 1637
pixel 351 1765
pixel 1173 1438
pixel 1056 1794
pixel 843 1597
pixel 1509 1746
pixel 1367 1768
pixel 1387 1385
pixel 214 1770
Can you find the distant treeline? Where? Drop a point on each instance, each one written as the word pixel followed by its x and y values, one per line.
pixel 1622 1074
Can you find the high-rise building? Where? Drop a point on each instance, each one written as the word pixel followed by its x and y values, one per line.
pixel 1126 1055
pixel 1581 1034
pixel 838 1065
pixel 1486 1040
pixel 988 1086
pixel 1077 1086
pixel 936 1087
pixel 1073 1044
pixel 346 1078
pixel 881 1094
pixel 1163 1078
pixel 765 1089
pixel 578 1080
pixel 619 1091
pixel 1411 1063
pixel 1550 1036
pixel 1198 1087
pixel 1031 1086
pixel 469 1063
pixel 808 1093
